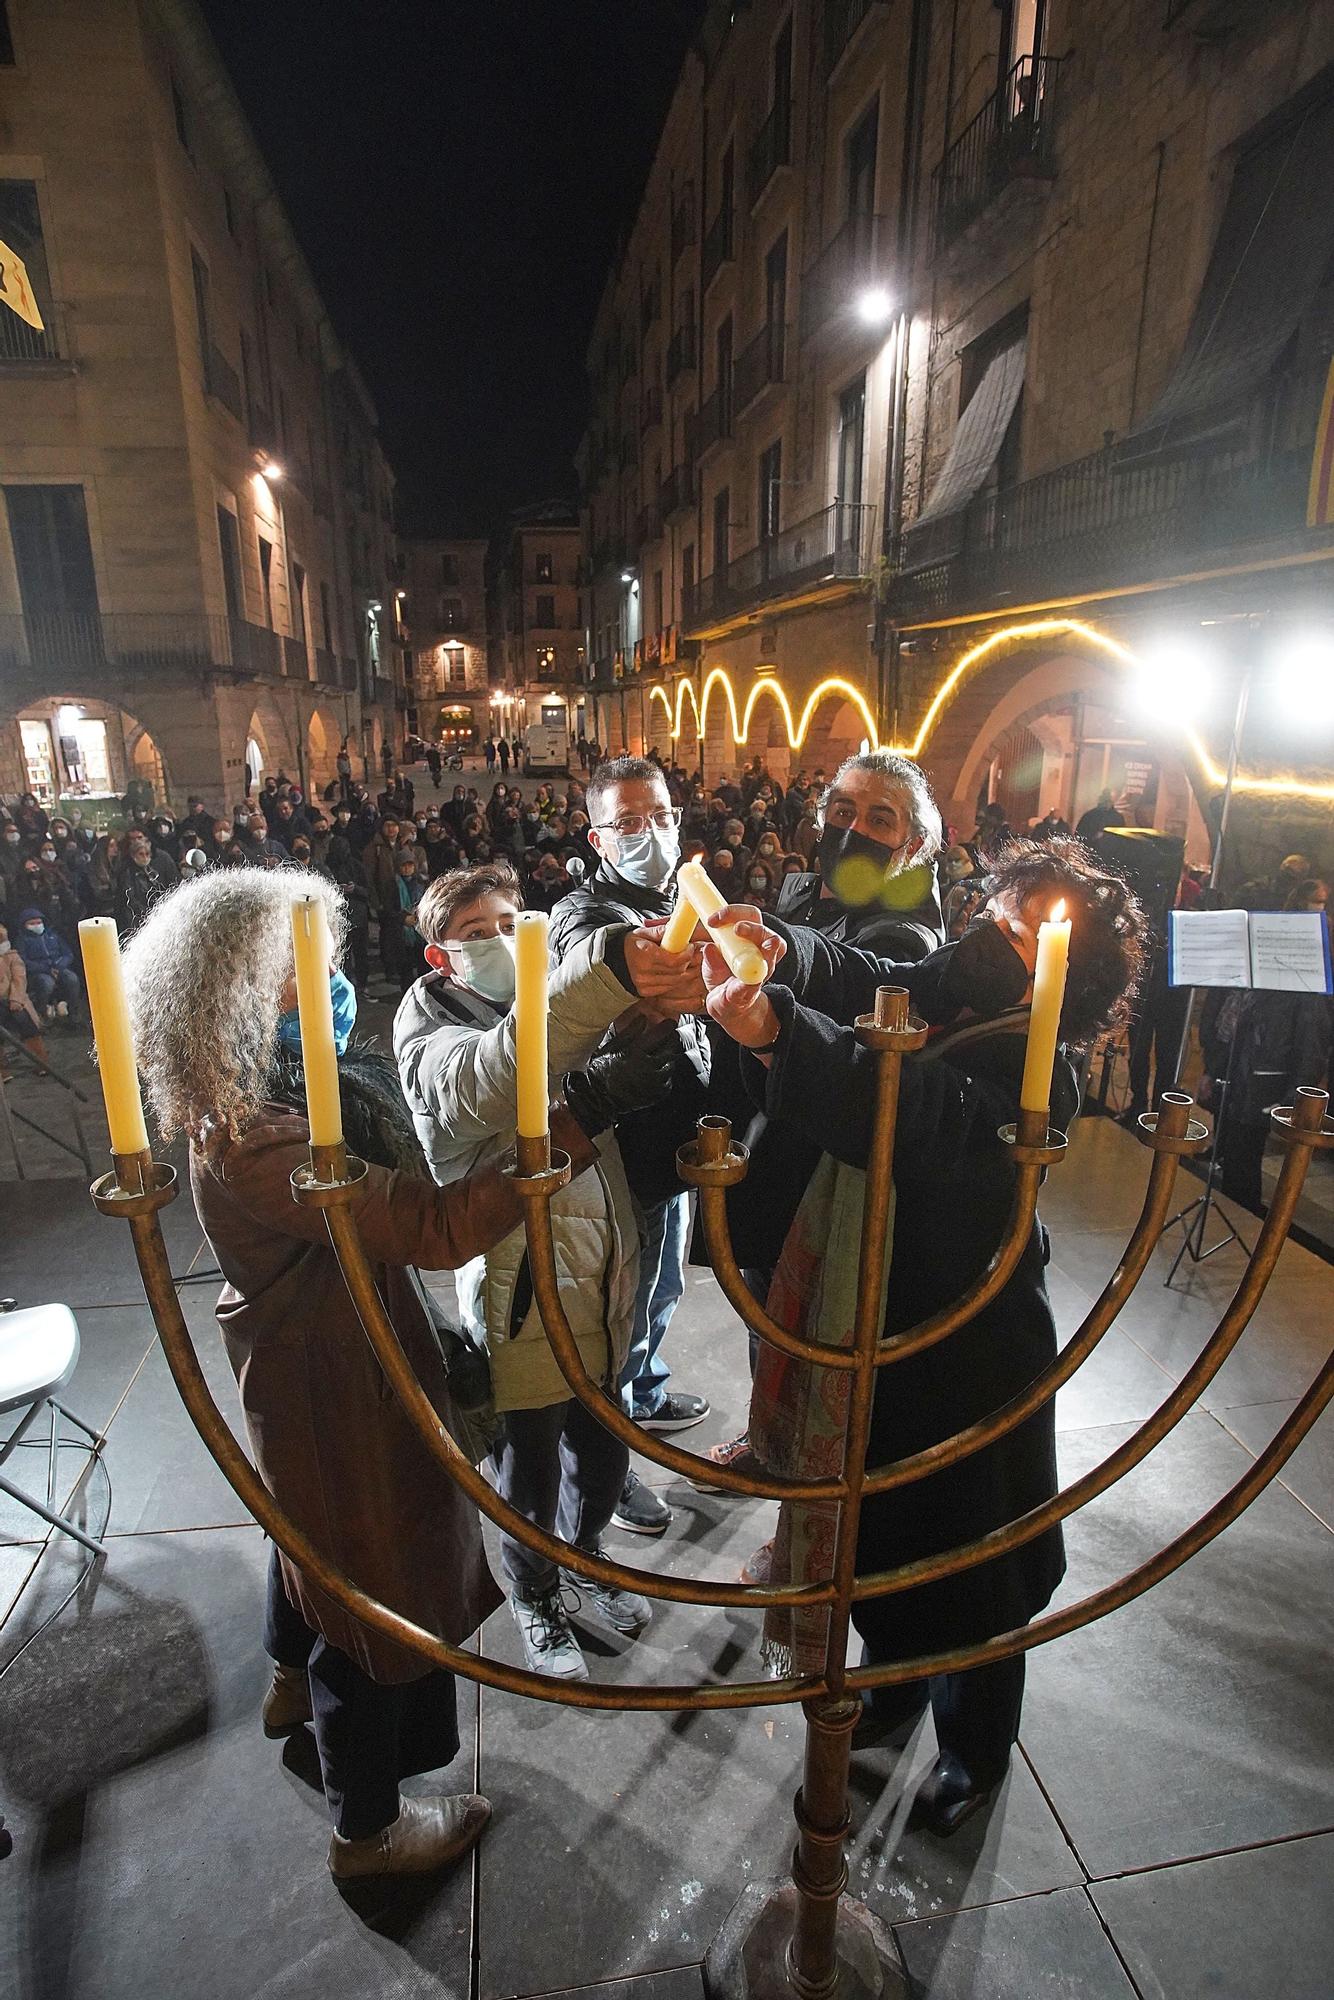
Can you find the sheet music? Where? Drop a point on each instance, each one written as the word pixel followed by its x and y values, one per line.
pixel 1290 951
pixel 1208 948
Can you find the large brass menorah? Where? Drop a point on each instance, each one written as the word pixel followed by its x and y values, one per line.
pixel 805 1937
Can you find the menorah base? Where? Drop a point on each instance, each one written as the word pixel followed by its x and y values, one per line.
pixel 748 1960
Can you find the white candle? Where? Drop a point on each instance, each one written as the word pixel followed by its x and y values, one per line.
pixel 1044 1021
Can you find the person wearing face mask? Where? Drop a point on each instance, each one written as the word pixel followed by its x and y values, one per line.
pixel 48 960
pixel 454 1042
pixel 723 870
pixel 634 832
pixel 11 855
pixel 16 1008
pixel 141 882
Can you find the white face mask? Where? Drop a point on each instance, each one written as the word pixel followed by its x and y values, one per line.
pixel 647 859
pixel 486 966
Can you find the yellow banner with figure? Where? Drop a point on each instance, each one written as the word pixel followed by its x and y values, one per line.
pixel 15 288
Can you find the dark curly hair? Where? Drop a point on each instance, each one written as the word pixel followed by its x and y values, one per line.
pixel 1109 929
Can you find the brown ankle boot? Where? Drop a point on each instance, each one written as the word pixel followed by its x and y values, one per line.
pixel 287 1704
pixel 428 1834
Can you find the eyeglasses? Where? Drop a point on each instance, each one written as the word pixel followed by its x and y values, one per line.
pixel 629 824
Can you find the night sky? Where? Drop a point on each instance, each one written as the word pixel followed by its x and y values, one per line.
pixel 460 174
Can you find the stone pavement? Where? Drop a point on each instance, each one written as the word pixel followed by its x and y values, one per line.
pixel 1167 1829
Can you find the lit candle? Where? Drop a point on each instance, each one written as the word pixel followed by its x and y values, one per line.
pixel 681 924
pixel 530 1021
pixel 105 979
pixel 312 952
pixel 1044 1021
pixel 746 960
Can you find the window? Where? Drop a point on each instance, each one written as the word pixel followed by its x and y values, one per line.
pixel 722 511
pixel 266 578
pixel 199 273
pixel 456 666
pixel 6 38
pixel 178 112
pixel 449 568
pixel 544 615
pixel 229 545
pixel 451 614
pixel 229 210
pixel 782 90
pixel 545 569
pixel 48 526
pixel 326 618
pixel 658 617
pixel 861 163
pixel 851 460
pixel 1022 27
pixel 21 229
pixel 546 663
pixel 770 490
pixel 298 603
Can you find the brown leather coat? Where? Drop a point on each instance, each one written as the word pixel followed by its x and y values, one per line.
pixel 327 1432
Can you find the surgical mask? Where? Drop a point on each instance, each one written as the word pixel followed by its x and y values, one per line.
pixel 486 965
pixel 48 854
pixel 344 997
pixel 856 867
pixel 647 860
pixel 34 930
pixel 13 837
pixel 5 946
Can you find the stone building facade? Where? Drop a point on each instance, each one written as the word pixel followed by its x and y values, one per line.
pixel 539 651
pixel 445 607
pixel 1039 289
pixel 197 552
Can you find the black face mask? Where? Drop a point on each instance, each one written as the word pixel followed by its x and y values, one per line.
pixel 839 845
pixel 985 973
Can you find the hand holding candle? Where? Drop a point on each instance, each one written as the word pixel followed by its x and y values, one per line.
pixel 530 1022
pixel 312 953
pixel 1044 1021
pixel 682 922
pixel 105 979
pixel 746 960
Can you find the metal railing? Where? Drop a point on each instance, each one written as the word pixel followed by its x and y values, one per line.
pixel 712 422
pixel 761 364
pixel 680 353
pixel 683 221
pixel 770 149
pixel 296 660
pixel 20 342
pixel 1099 521
pixel 678 492
pixel 860 255
pixel 222 381
pixel 829 545
pixel 326 667
pixel 842 18
pixel 648 525
pixel 717 247
pixel 379 690
pixel 1010 139
pixel 144 641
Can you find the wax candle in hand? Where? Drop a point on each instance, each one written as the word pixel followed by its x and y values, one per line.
pixel 682 922
pixel 530 1021
pixel 312 952
pixel 1044 1021
pixel 746 960
pixel 110 1010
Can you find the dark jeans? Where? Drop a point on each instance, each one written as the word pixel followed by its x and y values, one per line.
pixel 976 1714
pixel 368 1735
pixel 563 1471
pixel 45 988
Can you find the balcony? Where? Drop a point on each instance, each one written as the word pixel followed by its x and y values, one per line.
pixel 146 642
pixel 650 409
pixel 678 493
pixel 1102 522
pixel 717 248
pixel 830 547
pixel 712 423
pixel 223 383
pixel 21 344
pixel 379 691
pixel 680 354
pixel 842 18
pixel 770 149
pixel 1009 140
pixel 860 256
pixel 683 222
pixel 648 526
pixel 296 661
pixel 761 364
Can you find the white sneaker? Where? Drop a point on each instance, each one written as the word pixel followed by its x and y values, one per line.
pixel 62 1010
pixel 549 1644
pixel 428 1834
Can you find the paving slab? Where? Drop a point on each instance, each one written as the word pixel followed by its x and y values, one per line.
pixel 1234 1927
pixel 1309 1473
pixel 55 1245
pixel 1037 1948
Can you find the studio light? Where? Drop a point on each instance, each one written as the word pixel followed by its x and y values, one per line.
pixel 1174 680
pixel 1303 678
pixel 874 306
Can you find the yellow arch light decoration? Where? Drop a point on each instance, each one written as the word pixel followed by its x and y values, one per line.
pixel 770 686
pixel 1076 628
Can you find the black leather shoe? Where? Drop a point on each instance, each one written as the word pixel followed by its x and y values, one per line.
pixel 875 1731
pixel 947 1798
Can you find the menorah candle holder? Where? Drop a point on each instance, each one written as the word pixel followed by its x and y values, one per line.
pixel 804 1936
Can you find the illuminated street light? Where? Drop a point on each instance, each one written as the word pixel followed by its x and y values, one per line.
pixel 874 306
pixel 271 470
pixel 627 576
pixel 1174 681
pixel 1303 678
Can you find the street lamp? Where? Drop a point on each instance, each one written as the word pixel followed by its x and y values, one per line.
pixel 1302 675
pixel 874 306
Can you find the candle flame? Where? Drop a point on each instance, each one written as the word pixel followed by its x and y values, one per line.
pixel 1057 915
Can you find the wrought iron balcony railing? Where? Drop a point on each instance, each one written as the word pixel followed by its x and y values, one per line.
pixel 770 149
pixel 712 423
pixel 842 18
pixel 1010 139
pixel 20 342
pixel 831 545
pixel 680 353
pixel 860 256
pixel 145 642
pixel 222 381
pixel 717 247
pixel 683 221
pixel 678 493
pixel 761 364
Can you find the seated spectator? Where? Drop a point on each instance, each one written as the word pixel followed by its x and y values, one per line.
pixel 725 874
pixel 48 960
pixel 16 1008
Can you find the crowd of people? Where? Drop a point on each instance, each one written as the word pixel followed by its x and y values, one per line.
pixel 842 881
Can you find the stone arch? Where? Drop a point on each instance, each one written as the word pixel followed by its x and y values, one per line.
pixel 837 730
pixel 768 736
pixel 95 744
pixel 323 736
pixel 996 701
pixel 268 733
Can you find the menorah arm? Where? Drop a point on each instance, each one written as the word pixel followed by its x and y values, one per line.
pixel 1171 1134
pixel 1306 1129
pixel 546 1290
pixel 431 1428
pixel 1137 1581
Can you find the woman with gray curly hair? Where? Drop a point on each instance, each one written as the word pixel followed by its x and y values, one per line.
pixel 210 980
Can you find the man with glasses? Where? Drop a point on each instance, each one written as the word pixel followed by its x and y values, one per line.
pixel 634 831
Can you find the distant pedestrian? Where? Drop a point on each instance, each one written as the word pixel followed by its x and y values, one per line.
pixel 517 748
pixel 489 752
pixel 433 764
pixel 504 755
